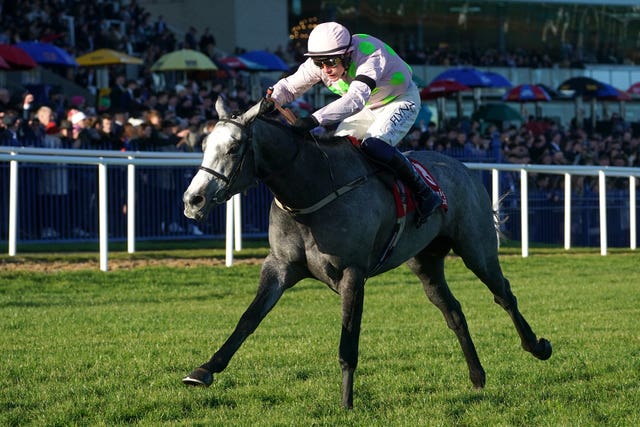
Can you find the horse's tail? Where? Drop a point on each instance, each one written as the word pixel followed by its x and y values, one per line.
pixel 497 221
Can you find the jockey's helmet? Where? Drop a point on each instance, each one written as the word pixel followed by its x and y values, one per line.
pixel 328 39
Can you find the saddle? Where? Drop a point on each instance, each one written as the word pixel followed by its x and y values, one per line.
pixel 404 199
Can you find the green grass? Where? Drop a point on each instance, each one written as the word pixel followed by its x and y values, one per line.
pixel 93 348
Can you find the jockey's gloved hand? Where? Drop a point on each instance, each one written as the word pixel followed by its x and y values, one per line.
pixel 267 106
pixel 305 124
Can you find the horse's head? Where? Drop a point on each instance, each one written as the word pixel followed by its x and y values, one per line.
pixel 227 163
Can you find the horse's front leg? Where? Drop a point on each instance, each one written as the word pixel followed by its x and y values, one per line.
pixel 275 278
pixel 352 297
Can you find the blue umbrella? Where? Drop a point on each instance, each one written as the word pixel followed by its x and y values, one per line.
pixel 474 78
pixel 270 61
pixel 47 53
pixel 609 92
pixel 468 76
pixel 497 80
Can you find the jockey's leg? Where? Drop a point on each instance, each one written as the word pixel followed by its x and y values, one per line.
pixel 427 200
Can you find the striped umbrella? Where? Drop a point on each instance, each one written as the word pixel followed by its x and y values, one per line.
pixel 526 93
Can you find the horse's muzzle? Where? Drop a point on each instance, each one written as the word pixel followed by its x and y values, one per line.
pixel 195 206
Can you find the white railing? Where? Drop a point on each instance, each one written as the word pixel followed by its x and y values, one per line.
pixel 103 159
pixel 601 172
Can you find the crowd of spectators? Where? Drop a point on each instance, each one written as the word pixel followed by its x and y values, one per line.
pixel 138 117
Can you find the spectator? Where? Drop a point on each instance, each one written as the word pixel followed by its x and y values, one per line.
pixel 191 38
pixel 207 43
pixel 53 189
pixel 119 97
pixel 5 100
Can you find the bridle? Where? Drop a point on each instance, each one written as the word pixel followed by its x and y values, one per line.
pixel 230 179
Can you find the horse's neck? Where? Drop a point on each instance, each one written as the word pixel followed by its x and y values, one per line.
pixel 300 172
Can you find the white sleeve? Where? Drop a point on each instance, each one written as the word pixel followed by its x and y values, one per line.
pixel 291 87
pixel 350 103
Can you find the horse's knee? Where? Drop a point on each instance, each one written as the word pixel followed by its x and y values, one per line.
pixel 455 319
pixel 506 299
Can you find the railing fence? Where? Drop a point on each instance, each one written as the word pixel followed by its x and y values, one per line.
pixel 137 164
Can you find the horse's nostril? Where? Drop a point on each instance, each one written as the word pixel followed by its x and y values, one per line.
pixel 196 200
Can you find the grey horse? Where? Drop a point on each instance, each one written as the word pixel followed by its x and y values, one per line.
pixel 332 218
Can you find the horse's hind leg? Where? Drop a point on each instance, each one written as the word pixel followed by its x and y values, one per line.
pixel 275 278
pixel 430 270
pixel 487 267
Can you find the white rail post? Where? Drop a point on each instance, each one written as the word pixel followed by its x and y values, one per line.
pixel 632 212
pixel 131 207
pixel 237 221
pixel 495 196
pixel 229 234
pixel 567 211
pixel 602 187
pixel 524 212
pixel 13 206
pixel 103 217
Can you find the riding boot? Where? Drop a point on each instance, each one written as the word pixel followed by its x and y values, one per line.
pixel 427 200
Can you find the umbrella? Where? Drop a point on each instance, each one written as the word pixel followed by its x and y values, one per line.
pixel 634 89
pixel 442 88
pixel 439 90
pixel 610 93
pixel 580 86
pixel 107 57
pixel 551 91
pixel 468 76
pixel 267 60
pixel 497 112
pixel 527 93
pixel 238 63
pixel 47 53
pixel 497 80
pixel 16 58
pixel 4 65
pixel 184 60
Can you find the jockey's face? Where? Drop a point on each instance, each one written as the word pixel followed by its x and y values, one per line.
pixel 332 67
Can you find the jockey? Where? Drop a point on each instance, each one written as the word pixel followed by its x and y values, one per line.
pixel 378 102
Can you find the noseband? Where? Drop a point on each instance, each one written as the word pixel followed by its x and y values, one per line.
pixel 244 138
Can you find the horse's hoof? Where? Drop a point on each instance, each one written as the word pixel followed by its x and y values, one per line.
pixel 543 349
pixel 478 379
pixel 199 377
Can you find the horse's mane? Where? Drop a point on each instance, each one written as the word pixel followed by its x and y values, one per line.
pixel 327 139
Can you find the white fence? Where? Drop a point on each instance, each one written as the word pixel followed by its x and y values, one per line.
pixel 103 159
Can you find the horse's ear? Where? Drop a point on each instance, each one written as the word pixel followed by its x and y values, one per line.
pixel 221 108
pixel 250 114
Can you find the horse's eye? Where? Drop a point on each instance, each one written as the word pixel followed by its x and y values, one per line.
pixel 234 148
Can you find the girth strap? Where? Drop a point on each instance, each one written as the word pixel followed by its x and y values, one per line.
pixel 325 200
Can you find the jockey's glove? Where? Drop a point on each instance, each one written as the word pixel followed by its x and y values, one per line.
pixel 267 106
pixel 305 124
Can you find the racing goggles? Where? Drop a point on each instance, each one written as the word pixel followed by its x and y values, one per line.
pixel 332 61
